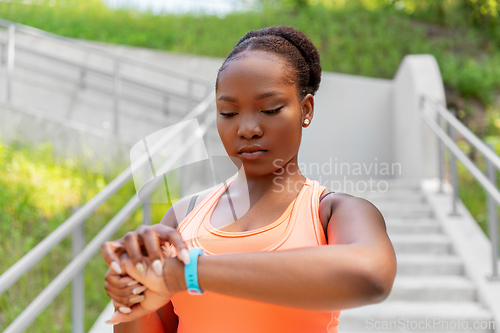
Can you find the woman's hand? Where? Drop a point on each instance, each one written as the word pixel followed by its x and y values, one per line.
pixel 150 242
pixel 159 289
pixel 123 290
pixel 143 245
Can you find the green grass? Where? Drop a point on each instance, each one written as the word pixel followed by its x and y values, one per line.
pixel 369 40
pixel 36 196
pixel 470 191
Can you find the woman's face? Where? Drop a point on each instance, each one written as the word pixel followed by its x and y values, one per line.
pixel 260 115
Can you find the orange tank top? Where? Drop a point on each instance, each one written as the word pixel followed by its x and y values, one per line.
pixel 299 226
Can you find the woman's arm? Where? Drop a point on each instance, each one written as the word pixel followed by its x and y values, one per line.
pixel 150 323
pixel 357 268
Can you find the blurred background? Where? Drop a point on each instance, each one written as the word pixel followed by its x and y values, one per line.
pixel 39 190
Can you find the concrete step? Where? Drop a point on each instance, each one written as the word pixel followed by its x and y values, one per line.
pixel 428 264
pixel 400 316
pixel 420 244
pixel 411 220
pixel 398 228
pixel 432 288
pixel 403 195
pixel 404 210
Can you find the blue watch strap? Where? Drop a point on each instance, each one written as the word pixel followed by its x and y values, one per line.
pixel 191 271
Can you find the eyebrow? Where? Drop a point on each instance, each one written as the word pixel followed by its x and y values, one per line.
pixel 268 94
pixel 227 99
pixel 257 97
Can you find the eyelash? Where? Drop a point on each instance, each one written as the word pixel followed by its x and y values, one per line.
pixel 273 110
pixel 265 111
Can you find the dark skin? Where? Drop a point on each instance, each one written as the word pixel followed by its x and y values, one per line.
pixel 261 107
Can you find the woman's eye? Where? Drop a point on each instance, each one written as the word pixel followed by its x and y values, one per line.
pixel 273 110
pixel 230 114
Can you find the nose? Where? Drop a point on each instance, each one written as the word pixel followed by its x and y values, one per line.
pixel 250 127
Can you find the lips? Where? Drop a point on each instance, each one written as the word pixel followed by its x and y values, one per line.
pixel 251 152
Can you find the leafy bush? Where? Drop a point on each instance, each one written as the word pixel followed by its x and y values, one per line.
pixel 37 194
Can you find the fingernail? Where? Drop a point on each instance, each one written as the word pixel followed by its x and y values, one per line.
pixel 124 309
pixel 116 267
pixel 138 290
pixel 158 267
pixel 185 256
pixel 137 299
pixel 132 283
pixel 111 321
pixel 140 269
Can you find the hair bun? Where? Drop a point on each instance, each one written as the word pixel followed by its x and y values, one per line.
pixel 309 77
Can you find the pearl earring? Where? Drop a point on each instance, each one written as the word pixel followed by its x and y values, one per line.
pixel 306 122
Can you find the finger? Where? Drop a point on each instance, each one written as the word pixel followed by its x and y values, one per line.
pixel 133 250
pixel 165 248
pixel 152 244
pixel 119 281
pixel 124 292
pixel 121 307
pixel 127 300
pixel 137 311
pixel 110 252
pixel 173 237
pixel 130 268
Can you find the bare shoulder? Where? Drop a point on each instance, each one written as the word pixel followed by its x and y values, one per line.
pixel 352 219
pixel 176 213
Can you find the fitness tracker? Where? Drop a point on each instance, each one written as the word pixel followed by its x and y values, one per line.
pixel 191 271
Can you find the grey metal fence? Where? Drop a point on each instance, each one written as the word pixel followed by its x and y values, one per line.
pixel 82 254
pixel 157 89
pixel 196 94
pixel 441 119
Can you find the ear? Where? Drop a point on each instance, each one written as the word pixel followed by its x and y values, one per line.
pixel 307 109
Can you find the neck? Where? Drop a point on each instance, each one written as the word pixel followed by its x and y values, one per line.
pixel 287 179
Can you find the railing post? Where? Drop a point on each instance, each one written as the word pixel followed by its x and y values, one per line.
pixel 440 157
pixel 453 169
pixel 77 296
pixel 116 96
pixel 10 54
pixel 492 219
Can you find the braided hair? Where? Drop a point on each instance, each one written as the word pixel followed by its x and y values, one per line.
pixel 293 46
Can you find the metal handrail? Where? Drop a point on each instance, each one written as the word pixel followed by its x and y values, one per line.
pixel 92 69
pixel 74 222
pixel 36 254
pixel 103 89
pixel 77 264
pixel 116 77
pixel 90 47
pixel 488 182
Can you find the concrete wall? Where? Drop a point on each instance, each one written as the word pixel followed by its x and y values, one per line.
pixel 368 129
pixel 350 134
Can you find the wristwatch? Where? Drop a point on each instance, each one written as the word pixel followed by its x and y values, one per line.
pixel 191 271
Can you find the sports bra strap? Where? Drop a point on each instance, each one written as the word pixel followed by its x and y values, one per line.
pixel 191 204
pixel 324 195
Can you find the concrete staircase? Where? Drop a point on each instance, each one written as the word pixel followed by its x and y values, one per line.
pixel 431 292
pixel 74 109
